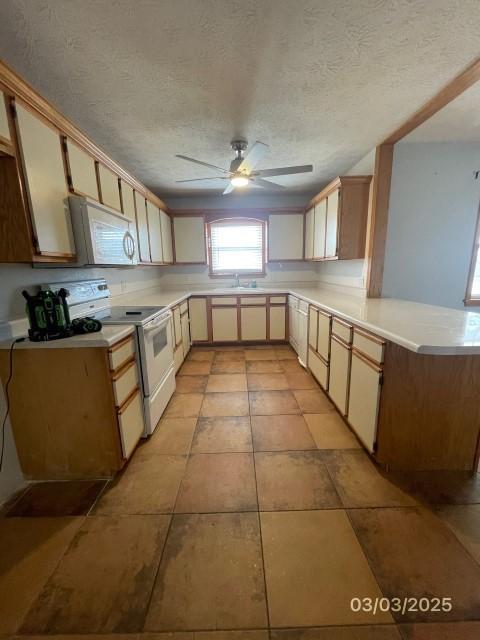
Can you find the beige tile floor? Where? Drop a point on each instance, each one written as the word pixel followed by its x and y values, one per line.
pixel 252 512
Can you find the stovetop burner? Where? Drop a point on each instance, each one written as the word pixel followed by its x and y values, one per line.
pixel 132 315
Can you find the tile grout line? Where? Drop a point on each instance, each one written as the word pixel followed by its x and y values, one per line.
pixel 172 515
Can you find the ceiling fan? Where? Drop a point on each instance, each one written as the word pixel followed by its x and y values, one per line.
pixel 242 170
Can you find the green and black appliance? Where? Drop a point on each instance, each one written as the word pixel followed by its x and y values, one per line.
pixel 48 315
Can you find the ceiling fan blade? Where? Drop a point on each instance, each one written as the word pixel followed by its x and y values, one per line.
pixel 205 164
pixel 253 157
pixel 197 179
pixel 267 184
pixel 228 189
pixel 283 171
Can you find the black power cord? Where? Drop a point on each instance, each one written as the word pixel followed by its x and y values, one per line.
pixel 10 376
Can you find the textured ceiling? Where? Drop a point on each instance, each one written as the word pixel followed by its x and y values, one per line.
pixel 459 121
pixel 321 82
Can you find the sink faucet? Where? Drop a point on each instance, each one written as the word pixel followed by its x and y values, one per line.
pixel 237 281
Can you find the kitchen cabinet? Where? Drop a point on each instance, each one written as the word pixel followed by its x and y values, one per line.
pixel 339 226
pixel 198 319
pixel 46 186
pixel 364 399
pixel 285 237
pixel 309 233
pixel 319 237
pixel 154 232
pixel 277 327
pixel 293 321
pixel 109 187
pixel 224 324
pixel 82 175
pixel 95 419
pixel 339 378
pixel 4 126
pixel 128 201
pixel 253 323
pixel 319 344
pixel 185 332
pixel 166 231
pixel 323 334
pixel 313 328
pixel 189 240
pixel 142 228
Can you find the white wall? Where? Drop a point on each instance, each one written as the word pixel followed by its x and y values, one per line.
pixel 433 209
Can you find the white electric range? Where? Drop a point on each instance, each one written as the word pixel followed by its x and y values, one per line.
pixel 91 298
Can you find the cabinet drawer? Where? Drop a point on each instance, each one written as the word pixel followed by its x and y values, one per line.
pixel 224 301
pixel 184 307
pixel 253 300
pixel 303 306
pixel 131 424
pixel 278 299
pixel 125 382
pixel 371 346
pixel 293 302
pixel 342 330
pixel 318 368
pixel 121 352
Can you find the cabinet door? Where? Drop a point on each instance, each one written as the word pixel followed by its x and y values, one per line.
pixel 46 184
pixel 189 234
pixel 364 400
pixel 277 323
pixel 253 323
pixel 4 130
pixel 285 236
pixel 131 424
pixel 177 326
pixel 320 229
pixel 293 327
pixel 82 171
pixel 313 327
pixel 185 334
pixel 332 224
pixel 339 374
pixel 155 232
pixel 128 199
pixel 166 229
pixel 323 341
pixel 109 186
pixel 198 319
pixel 318 368
pixel 309 229
pixel 142 228
pixel 224 324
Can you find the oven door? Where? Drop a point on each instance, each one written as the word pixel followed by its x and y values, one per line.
pixel 157 352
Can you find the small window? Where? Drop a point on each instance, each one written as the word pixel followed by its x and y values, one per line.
pixel 236 245
pixel 473 287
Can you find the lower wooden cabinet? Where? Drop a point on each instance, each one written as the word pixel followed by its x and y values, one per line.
pixel 278 319
pixel 364 399
pixel 185 334
pixel 225 324
pixel 319 369
pixel 198 319
pixel 84 421
pixel 339 374
pixel 253 323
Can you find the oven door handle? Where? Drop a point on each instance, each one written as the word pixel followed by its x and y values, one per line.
pixel 158 326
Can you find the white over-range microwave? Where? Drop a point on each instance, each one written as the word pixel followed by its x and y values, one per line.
pixel 103 236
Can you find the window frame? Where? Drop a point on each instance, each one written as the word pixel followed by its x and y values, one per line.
pixel 471 301
pixel 236 222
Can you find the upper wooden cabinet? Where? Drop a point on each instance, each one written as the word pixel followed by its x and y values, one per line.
pixel 46 187
pixel 128 200
pixel 336 222
pixel 154 232
pixel 4 128
pixel 285 236
pixel 189 237
pixel 82 176
pixel 142 228
pixel 109 187
pixel 166 230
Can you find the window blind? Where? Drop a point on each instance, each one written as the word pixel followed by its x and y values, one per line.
pixel 236 247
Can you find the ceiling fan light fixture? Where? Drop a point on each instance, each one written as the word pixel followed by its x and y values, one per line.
pixel 239 181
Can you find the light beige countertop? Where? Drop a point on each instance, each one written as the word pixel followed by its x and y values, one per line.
pixel 419 327
pixel 109 335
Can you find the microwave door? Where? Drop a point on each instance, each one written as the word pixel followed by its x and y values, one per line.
pixel 158 353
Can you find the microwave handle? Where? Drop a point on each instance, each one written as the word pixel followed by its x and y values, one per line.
pixel 129 245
